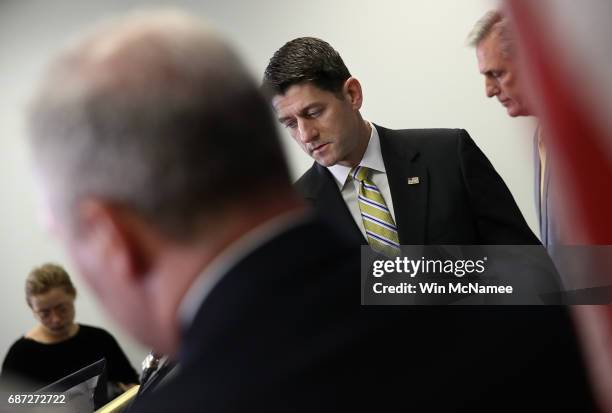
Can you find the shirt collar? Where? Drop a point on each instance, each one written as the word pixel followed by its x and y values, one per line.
pixel 372 159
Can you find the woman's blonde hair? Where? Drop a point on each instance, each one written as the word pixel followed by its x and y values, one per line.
pixel 44 278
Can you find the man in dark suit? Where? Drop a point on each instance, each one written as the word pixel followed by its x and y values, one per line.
pixel 166 182
pixel 438 186
pixel 164 176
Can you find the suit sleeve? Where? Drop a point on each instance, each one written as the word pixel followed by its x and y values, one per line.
pixel 498 218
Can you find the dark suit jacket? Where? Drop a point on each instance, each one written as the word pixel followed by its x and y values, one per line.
pixel 283 331
pixel 460 198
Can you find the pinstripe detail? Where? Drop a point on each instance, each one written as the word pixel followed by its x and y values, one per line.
pixel 374 204
pixel 382 239
pixel 380 228
pixel 378 221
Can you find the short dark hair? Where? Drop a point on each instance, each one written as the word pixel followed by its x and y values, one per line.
pixel 305 59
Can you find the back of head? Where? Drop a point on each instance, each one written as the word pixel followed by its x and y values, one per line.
pixel 305 59
pixel 154 112
pixel 46 277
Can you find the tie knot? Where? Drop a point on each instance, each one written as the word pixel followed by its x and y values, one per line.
pixel 360 173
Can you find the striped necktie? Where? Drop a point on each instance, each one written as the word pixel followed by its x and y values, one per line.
pixel 379 226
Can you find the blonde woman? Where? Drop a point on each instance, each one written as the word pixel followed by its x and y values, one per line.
pixel 57 346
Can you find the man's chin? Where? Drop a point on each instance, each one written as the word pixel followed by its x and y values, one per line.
pixel 514 112
pixel 325 162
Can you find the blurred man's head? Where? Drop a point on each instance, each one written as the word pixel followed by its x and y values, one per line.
pixel 155 150
pixel 317 100
pixel 497 62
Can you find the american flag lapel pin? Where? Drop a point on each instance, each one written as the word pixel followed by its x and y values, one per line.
pixel 413 180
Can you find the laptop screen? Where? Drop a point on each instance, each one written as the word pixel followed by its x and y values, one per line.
pixel 83 390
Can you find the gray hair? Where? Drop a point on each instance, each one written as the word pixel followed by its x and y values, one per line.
pixel 493 22
pixel 154 112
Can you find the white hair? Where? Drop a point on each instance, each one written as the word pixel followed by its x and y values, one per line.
pixel 492 23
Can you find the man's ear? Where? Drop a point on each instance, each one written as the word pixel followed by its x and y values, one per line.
pixel 352 92
pixel 113 239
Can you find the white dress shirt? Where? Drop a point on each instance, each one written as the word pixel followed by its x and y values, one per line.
pixel 372 159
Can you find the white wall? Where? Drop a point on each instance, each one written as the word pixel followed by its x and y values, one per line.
pixel 409 55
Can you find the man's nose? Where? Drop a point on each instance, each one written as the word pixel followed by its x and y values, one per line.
pixel 307 131
pixel 491 87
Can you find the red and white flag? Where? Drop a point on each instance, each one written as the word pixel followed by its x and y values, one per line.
pixel 565 48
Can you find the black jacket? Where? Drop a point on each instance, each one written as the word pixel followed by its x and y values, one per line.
pixel 460 199
pixel 284 331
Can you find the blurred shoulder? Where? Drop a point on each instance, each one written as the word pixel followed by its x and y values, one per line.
pixel 21 344
pixel 88 331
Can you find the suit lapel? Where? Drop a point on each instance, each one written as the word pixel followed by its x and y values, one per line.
pixel 541 193
pixel 408 182
pixel 546 213
pixel 536 178
pixel 323 193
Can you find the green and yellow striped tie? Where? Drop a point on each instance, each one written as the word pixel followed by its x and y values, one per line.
pixel 379 226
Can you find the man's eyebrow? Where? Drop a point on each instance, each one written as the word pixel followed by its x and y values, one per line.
pixel 302 112
pixel 284 119
pixel 306 108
